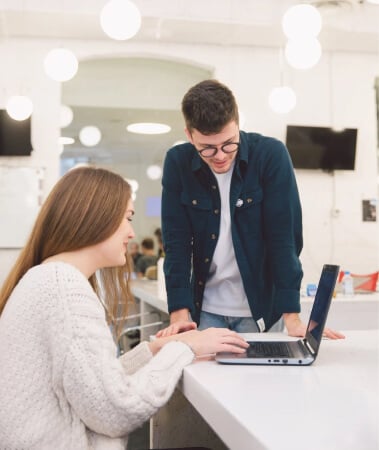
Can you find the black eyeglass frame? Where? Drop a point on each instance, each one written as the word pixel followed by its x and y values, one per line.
pixel 216 149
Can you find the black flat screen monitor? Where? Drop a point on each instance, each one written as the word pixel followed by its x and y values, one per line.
pixel 15 136
pixel 321 147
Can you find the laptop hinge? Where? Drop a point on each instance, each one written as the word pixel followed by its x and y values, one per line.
pixel 308 347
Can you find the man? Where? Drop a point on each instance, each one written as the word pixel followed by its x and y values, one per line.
pixel 148 258
pixel 231 223
pixel 134 252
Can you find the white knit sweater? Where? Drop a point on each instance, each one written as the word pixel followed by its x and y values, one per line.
pixel 61 384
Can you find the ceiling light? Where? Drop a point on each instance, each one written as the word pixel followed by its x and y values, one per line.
pixel 65 140
pixel 90 136
pixel 120 19
pixel 19 107
pixel 66 116
pixel 133 184
pixel 154 172
pixel 61 64
pixel 301 21
pixel 282 99
pixel 303 54
pixel 148 128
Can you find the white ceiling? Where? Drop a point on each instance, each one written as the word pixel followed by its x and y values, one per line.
pixel 348 25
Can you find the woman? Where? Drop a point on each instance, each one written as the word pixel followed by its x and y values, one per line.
pixel 61 383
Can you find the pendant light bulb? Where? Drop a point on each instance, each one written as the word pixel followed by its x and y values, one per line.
pixel 19 107
pixel 61 64
pixel 120 19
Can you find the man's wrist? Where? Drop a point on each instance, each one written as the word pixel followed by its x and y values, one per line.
pixel 179 315
pixel 291 318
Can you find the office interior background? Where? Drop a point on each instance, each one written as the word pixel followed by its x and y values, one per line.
pixel 143 79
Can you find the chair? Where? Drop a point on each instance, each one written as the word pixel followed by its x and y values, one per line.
pixel 151 273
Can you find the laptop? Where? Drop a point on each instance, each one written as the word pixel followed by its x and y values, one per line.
pixel 302 352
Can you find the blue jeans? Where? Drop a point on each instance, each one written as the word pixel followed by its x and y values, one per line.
pixel 238 324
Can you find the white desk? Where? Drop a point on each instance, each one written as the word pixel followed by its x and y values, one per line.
pixel 333 404
pixel 152 308
pixel 360 312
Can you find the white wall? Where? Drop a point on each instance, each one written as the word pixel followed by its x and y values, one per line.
pixel 338 91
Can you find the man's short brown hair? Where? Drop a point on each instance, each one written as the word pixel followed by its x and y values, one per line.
pixel 208 107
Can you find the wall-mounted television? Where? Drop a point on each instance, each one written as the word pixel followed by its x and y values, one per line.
pixel 15 136
pixel 321 147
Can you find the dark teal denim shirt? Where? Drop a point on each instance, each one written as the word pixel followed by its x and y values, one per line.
pixel 266 226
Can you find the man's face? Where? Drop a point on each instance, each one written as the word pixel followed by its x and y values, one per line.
pixel 220 162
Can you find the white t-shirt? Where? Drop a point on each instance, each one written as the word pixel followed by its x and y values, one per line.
pixel 224 293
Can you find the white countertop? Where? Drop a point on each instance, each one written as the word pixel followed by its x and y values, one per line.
pixel 333 404
pixel 359 312
pixel 147 290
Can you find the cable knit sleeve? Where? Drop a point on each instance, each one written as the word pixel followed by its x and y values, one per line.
pixel 114 396
pixel 136 358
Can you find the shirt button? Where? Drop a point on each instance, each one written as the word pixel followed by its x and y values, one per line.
pixel 249 200
pixel 197 304
pixel 214 186
pixel 213 236
pixel 200 283
pixel 206 260
pixel 216 211
pixel 194 202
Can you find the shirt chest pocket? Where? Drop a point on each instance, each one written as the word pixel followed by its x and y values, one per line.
pixel 198 208
pixel 249 199
pixel 248 212
pixel 196 202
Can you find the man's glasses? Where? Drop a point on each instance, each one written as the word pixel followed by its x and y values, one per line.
pixel 210 151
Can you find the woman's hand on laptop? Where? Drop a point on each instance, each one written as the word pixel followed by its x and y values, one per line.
pixel 213 340
pixel 206 342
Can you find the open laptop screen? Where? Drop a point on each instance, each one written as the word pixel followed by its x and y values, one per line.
pixel 321 306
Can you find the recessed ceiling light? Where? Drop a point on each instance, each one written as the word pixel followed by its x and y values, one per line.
pixel 148 128
pixel 65 140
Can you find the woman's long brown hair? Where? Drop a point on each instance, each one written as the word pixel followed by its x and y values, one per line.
pixel 84 208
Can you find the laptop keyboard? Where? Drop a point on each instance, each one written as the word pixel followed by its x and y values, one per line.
pixel 268 349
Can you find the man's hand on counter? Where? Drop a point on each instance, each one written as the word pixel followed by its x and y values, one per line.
pixel 177 327
pixel 295 327
pixel 180 322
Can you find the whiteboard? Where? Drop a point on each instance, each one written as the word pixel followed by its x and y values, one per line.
pixel 20 200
